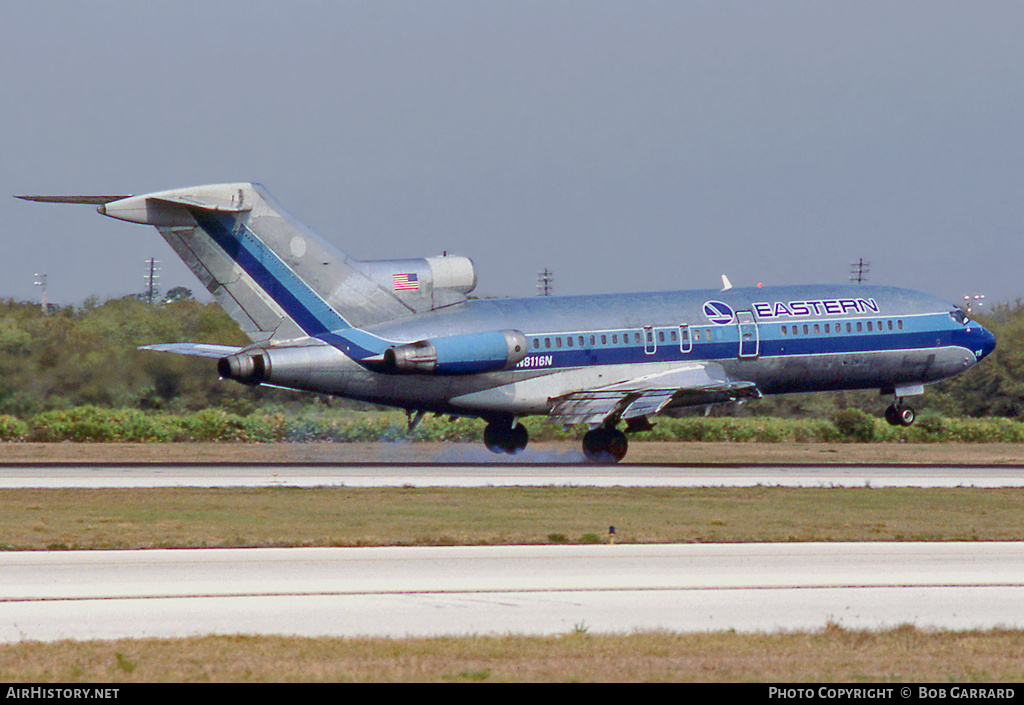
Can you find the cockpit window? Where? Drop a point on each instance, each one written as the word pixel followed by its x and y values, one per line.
pixel 959 316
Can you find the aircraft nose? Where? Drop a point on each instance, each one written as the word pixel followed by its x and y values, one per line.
pixel 990 342
pixel 986 342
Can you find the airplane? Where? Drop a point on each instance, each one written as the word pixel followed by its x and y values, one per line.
pixel 405 333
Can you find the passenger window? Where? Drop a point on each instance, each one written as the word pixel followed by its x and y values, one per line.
pixel 592 340
pixel 547 342
pixel 568 341
pixel 604 340
pixel 849 329
pixel 615 339
pixel 707 334
pixel 795 330
pixel 899 324
pixel 536 343
pixel 890 324
pixel 696 333
pixel 785 330
pixel 636 338
pixel 817 329
pixel 672 335
pixel 558 342
pixel 828 329
pixel 661 336
pixel 860 326
pixel 869 326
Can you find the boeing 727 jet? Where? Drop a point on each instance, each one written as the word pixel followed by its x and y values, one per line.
pixel 404 333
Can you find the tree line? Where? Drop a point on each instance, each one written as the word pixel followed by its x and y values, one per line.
pixel 88 355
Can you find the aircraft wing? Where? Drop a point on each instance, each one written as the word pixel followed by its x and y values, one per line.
pixel 648 395
pixel 194 349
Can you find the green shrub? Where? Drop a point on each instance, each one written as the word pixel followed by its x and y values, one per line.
pixel 12 428
pixel 855 425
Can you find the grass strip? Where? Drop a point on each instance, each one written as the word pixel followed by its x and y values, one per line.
pixel 40 519
pixel 830 655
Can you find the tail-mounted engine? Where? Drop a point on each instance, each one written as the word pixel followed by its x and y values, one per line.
pixel 457 354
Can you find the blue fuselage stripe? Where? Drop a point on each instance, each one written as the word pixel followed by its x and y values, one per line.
pixel 312 314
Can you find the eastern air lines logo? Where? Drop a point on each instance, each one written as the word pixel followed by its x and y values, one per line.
pixel 718 313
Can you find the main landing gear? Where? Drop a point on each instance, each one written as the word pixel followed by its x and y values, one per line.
pixel 605 444
pixel 505 435
pixel 897 414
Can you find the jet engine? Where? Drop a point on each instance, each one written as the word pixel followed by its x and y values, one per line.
pixel 314 367
pixel 457 354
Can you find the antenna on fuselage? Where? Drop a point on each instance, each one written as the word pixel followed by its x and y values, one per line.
pixel 726 284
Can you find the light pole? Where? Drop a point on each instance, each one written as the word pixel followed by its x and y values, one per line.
pixel 973 301
pixel 41 281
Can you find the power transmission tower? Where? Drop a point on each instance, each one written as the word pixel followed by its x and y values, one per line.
pixel 544 282
pixel 152 289
pixel 859 271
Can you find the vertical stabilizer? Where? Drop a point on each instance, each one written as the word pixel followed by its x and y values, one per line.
pixel 273 275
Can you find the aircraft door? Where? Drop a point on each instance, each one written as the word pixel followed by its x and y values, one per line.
pixel 650 345
pixel 750 342
pixel 685 344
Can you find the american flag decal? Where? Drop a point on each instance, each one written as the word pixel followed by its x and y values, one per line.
pixel 405 282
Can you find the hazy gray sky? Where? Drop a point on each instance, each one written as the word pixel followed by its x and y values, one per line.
pixel 627 146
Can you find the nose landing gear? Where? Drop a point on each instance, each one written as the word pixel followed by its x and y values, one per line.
pixel 897 414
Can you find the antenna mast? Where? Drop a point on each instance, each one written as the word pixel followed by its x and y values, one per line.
pixel 544 282
pixel 859 271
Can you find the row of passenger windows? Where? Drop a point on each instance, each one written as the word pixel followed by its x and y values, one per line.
pixel 851 326
pixel 670 336
pixel 683 333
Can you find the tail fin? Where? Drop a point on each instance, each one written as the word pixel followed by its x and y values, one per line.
pixel 275 277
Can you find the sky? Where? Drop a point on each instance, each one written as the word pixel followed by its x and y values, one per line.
pixel 625 146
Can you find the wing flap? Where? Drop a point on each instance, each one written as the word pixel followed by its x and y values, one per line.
pixel 649 395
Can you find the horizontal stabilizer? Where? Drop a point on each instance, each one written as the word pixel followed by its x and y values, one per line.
pixel 194 349
pixel 88 200
pixel 207 202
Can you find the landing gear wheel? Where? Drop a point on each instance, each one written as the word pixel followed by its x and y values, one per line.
pixel 605 445
pixel 502 438
pixel 899 415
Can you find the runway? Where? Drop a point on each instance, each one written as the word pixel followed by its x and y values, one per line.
pixel 127 475
pixel 398 592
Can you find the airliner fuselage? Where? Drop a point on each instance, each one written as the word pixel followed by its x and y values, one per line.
pixel 405 333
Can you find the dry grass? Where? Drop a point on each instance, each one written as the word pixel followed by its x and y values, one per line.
pixel 36 519
pixel 833 654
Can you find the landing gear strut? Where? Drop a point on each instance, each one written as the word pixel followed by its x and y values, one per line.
pixel 898 414
pixel 505 435
pixel 605 445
